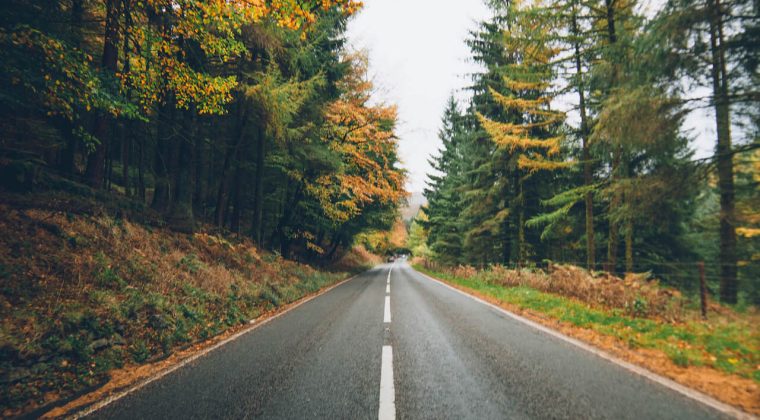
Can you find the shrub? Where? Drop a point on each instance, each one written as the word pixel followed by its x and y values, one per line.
pixel 636 297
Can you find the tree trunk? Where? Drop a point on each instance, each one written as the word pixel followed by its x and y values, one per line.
pixel 521 225
pixel 612 241
pixel 222 199
pixel 724 158
pixel 612 244
pixel 162 193
pixel 200 174
pixel 335 244
pixel 629 246
pixel 125 152
pixel 236 202
pixel 95 171
pixel 110 150
pixel 68 155
pixel 126 129
pixel 258 192
pixel 181 217
pixel 141 169
pixel 587 175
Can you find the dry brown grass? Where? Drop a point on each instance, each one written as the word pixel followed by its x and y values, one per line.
pixel 357 256
pixel 634 295
pixel 71 279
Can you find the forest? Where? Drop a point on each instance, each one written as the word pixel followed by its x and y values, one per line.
pixel 175 174
pixel 171 170
pixel 574 147
pixel 249 116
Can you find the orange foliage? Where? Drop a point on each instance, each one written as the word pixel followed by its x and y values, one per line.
pixel 362 134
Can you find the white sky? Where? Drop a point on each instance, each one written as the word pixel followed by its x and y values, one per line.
pixel 418 57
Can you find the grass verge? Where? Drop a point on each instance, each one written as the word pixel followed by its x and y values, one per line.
pixel 704 355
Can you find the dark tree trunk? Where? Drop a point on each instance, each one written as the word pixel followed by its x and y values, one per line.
pixel 287 214
pixel 201 162
pixel 125 156
pixel 141 169
pixel 629 245
pixel 181 216
pixel 126 129
pixel 724 158
pixel 96 161
pixel 258 189
pixel 67 162
pixel 335 245
pixel 236 202
pixel 110 150
pixel 584 133
pixel 233 146
pixel 612 240
pixel 68 154
pixel 162 193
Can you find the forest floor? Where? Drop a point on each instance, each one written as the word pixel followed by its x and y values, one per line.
pixel 93 292
pixel 720 356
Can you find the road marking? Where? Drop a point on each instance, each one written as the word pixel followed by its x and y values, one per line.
pixel 387 392
pixel 661 380
pixel 389 274
pixel 387 311
pixel 388 288
pixel 119 395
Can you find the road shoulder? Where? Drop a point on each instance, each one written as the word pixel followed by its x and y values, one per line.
pixel 643 362
pixel 131 378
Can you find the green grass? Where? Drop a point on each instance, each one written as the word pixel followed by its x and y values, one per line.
pixel 731 347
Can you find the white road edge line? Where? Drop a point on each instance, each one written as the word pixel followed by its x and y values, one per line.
pixel 668 383
pixel 387 310
pixel 387 288
pixel 387 409
pixel 119 395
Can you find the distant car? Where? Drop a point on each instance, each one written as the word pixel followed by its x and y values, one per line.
pixel 391 258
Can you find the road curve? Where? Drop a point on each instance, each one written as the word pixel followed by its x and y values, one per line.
pixel 442 355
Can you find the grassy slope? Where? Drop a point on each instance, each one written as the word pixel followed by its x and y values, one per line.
pixel 730 345
pixel 82 294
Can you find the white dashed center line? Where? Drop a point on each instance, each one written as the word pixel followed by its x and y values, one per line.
pixel 387 392
pixel 387 312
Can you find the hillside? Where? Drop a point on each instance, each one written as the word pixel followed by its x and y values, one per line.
pixel 87 289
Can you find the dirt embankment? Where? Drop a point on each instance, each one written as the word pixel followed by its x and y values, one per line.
pixel 87 295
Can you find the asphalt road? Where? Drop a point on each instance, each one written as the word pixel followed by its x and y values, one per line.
pixel 442 355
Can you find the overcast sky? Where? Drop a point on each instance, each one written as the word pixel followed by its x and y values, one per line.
pixel 418 57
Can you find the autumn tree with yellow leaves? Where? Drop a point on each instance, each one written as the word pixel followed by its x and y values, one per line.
pixel 531 132
pixel 248 115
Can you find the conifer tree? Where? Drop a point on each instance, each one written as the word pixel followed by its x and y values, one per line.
pixel 443 192
pixel 531 132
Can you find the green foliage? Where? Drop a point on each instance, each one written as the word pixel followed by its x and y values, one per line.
pixel 105 275
pixel 191 263
pixel 247 96
pixel 729 346
pixel 518 183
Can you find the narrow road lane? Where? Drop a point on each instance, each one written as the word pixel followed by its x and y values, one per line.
pixel 407 347
pixel 320 360
pixel 458 358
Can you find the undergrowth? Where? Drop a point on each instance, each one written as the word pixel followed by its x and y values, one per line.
pixel 81 295
pixel 728 344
